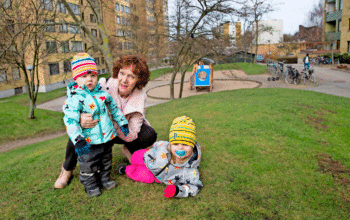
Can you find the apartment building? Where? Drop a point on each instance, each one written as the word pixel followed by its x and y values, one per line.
pixel 231 31
pixel 133 27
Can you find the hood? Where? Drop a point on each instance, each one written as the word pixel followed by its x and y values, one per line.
pixel 73 88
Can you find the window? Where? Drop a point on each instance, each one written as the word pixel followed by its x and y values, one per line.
pixel 7 4
pixel 60 7
pixel 102 60
pixel 94 32
pixel 125 46
pixel 15 73
pixel 54 68
pixel 81 2
pixel 127 21
pixel 122 8
pixel 67 66
pixel 130 46
pixel 97 61
pixel 3 75
pixel 51 46
pixel 118 20
pixel 10 26
pixel 82 16
pixel 339 26
pixel 127 9
pixel 63 28
pixel 65 46
pixel 75 8
pixel 77 46
pixel 49 25
pixel 117 7
pixel 92 18
pixel 123 21
pixel 120 33
pixel 85 47
pixel 47 4
pixel 348 46
pixel 120 46
pixel 74 29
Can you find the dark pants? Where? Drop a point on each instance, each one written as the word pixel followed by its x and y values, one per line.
pixel 96 166
pixel 146 137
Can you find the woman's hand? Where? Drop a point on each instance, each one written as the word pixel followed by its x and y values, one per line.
pixel 86 121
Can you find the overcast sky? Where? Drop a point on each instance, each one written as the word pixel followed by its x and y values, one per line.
pixel 292 12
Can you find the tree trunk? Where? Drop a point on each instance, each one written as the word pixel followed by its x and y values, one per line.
pixel 31 109
pixel 182 82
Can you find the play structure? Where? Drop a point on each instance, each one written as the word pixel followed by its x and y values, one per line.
pixel 202 77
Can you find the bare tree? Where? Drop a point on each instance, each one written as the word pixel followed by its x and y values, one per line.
pixel 102 45
pixel 191 21
pixel 316 14
pixel 259 8
pixel 26 38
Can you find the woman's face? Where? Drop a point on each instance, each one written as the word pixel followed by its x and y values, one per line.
pixel 126 81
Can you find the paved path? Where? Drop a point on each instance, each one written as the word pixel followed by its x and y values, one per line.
pixel 330 81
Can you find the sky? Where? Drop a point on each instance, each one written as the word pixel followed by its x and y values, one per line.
pixel 292 12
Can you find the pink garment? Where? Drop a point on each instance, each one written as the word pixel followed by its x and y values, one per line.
pixel 137 170
pixel 134 110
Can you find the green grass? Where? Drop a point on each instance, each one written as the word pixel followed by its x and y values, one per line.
pixel 249 69
pixel 265 155
pixel 159 72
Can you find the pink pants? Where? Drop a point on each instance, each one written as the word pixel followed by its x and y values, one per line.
pixel 137 170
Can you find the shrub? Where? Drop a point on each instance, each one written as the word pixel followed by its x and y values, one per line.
pixel 288 59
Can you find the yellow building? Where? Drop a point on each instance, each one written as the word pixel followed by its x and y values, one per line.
pixel 232 33
pixel 337 25
pixel 130 25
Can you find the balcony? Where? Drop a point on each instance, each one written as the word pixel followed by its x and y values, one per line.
pixel 332 36
pixel 330 1
pixel 334 15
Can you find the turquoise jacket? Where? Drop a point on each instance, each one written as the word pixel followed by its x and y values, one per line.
pixel 82 100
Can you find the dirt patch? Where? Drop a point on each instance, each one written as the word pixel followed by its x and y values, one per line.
pixel 330 111
pixel 339 172
pixel 316 122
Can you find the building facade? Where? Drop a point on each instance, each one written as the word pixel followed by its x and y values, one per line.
pixel 133 27
pixel 271 31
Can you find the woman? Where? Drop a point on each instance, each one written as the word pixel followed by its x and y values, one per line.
pixel 130 76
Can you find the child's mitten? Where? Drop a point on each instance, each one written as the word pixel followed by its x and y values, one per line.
pixel 171 191
pixel 82 147
pixel 125 129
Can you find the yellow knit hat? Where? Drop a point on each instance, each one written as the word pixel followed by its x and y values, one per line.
pixel 183 131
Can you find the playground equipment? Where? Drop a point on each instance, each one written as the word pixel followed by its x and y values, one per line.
pixel 202 77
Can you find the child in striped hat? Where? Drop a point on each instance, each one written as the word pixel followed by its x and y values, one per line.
pixel 92 145
pixel 174 163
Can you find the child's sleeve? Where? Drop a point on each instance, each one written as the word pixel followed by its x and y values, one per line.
pixel 117 114
pixel 71 119
pixel 191 189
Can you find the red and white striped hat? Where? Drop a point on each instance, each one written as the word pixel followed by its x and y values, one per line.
pixel 81 63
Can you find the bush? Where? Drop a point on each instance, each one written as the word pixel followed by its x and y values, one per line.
pixel 345 58
pixel 288 59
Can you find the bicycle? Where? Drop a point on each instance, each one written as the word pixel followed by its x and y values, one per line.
pixel 292 75
pixel 307 74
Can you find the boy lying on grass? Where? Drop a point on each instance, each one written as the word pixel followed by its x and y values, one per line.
pixel 174 163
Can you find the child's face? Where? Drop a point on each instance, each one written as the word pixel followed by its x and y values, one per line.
pixel 89 80
pixel 181 151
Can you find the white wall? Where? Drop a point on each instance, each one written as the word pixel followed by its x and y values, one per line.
pixel 275 35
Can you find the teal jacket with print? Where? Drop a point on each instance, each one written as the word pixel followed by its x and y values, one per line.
pixel 81 100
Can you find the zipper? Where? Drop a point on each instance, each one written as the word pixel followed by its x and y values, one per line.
pixel 99 118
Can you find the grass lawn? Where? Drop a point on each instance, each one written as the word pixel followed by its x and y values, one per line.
pixel 249 69
pixel 266 154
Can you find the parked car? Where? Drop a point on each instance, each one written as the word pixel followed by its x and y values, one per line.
pixel 206 61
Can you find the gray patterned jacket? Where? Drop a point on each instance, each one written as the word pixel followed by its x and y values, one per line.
pixel 185 175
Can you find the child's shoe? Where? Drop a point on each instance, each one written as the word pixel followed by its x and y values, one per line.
pixel 109 185
pixel 63 179
pixel 93 192
pixel 121 169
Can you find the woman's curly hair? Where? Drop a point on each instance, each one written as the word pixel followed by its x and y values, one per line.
pixel 139 68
